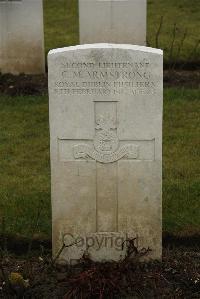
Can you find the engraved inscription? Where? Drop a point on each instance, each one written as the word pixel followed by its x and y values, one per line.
pixel 105 78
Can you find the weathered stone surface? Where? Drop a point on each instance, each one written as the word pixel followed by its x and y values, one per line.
pixel 112 21
pixel 106 149
pixel 21 37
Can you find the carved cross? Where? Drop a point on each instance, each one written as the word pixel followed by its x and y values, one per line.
pixel 106 150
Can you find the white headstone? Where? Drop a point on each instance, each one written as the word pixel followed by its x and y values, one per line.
pixel 106 149
pixel 112 21
pixel 21 37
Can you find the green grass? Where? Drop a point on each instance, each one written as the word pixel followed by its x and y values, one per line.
pixel 186 15
pixel 25 171
pixel 61 25
pixel 24 164
pixel 181 161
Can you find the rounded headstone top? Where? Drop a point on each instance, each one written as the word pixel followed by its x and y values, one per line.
pixel 106 46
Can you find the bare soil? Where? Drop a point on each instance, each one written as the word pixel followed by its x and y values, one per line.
pixel 38 84
pixel 177 276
